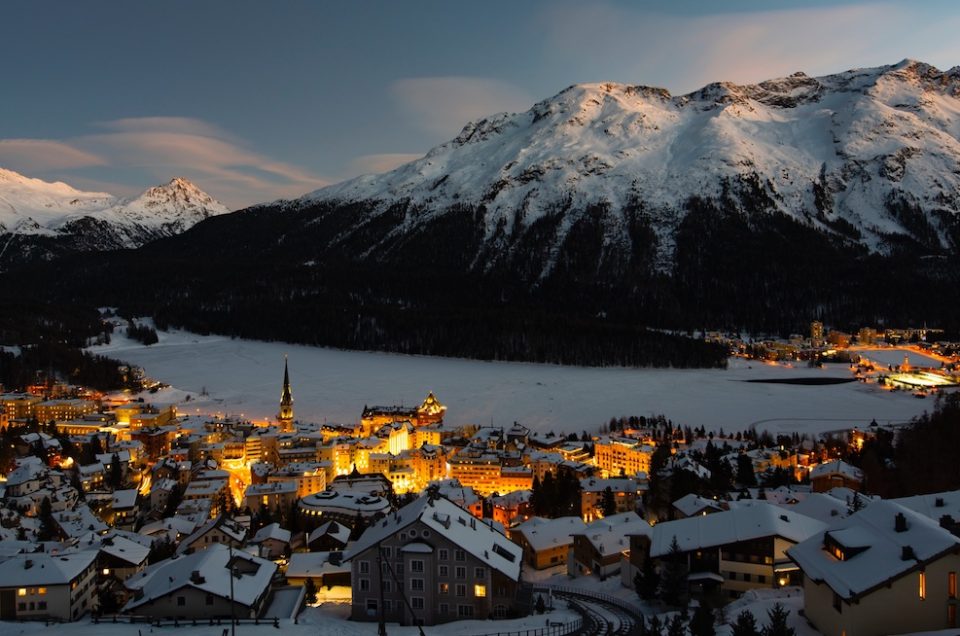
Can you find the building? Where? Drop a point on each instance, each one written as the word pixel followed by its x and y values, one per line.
pixel 55 410
pixel 599 547
pixel 430 411
pixel 340 506
pixel 740 549
pixel 835 474
pixel 272 541
pixel 622 456
pixel 328 537
pixel 546 542
pixel 593 492
pixel 278 495
pixel 433 554
pixel 201 585
pixel 692 505
pixel 325 569
pixel 285 416
pixel 41 586
pixel 216 532
pixel 816 333
pixel 883 570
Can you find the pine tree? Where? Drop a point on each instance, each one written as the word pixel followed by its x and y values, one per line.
pixel 745 474
pixel 674 580
pixel 540 606
pixel 650 580
pixel 702 622
pixel 310 589
pixel 676 626
pixel 116 473
pixel 778 622
pixel 609 504
pixel 745 625
pixel 654 628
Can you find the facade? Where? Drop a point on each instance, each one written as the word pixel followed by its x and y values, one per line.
pixel 835 474
pixel 546 542
pixel 621 456
pixel 593 492
pixel 599 548
pixel 884 570
pixel 446 563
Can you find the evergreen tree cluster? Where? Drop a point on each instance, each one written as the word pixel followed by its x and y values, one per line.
pixel 556 496
pixel 143 334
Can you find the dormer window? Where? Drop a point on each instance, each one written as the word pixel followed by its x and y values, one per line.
pixel 842 544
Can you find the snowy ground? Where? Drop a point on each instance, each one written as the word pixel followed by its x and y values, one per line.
pixel 760 602
pixel 895 357
pixel 244 377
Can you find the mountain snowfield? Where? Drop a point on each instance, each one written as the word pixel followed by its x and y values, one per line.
pixel 32 207
pixel 832 152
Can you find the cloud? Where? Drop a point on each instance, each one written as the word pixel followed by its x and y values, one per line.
pixel 375 164
pixel 35 155
pixel 443 105
pixel 162 147
pixel 639 46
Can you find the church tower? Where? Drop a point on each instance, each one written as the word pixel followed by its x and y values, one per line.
pixel 285 416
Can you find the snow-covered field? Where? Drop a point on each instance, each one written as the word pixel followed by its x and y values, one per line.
pixel 895 357
pixel 244 377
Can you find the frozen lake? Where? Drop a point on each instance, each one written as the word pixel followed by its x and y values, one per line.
pixel 244 377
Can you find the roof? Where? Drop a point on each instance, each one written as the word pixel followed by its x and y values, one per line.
pixel 836 467
pixel 693 503
pixel 543 534
pixel 40 568
pixel 308 564
pixel 610 534
pixel 935 505
pixel 455 524
pixel 125 549
pixel 875 549
pixel 229 528
pixel 271 531
pixel 213 566
pixel 594 484
pixel 124 498
pixel 336 530
pixel 742 523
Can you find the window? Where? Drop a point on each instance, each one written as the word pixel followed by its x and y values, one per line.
pixel 364 567
pixel 22 607
pixel 444 555
pixel 461 572
pixel 761 578
pixel 479 573
pixel 364 585
pixel 951 615
pixel 444 608
pixel 387 605
pixel 388 552
pixel 480 591
pixel 444 588
pixel 416 565
pixel 444 570
pixel 746 577
pixel 416 602
pixel 22 591
pixel 399 569
pixel 465 611
pixel 386 585
pixel 461 589
pixel 416 585
pixel 923 586
pixel 181 601
pixel 426 533
pixel 951 585
pixel 42 605
pixel 460 555
pixel 413 533
pixel 371 605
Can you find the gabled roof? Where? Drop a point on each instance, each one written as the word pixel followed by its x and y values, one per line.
pixel 229 528
pixel 611 534
pixel 693 503
pixel 40 568
pixel 213 571
pixel 308 564
pixel 874 549
pixel 542 534
pixel 454 523
pixel 836 467
pixel 742 523
pixel 935 505
pixel 125 549
pixel 336 530
pixel 271 531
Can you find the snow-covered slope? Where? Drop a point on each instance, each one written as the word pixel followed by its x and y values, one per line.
pixel 31 207
pixel 869 155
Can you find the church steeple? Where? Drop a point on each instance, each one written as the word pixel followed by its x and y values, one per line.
pixel 286 397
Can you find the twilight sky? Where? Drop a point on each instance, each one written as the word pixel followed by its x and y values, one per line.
pixel 256 101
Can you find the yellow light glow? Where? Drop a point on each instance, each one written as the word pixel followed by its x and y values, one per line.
pixel 480 591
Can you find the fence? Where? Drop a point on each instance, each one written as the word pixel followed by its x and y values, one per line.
pixel 561 629
pixel 182 622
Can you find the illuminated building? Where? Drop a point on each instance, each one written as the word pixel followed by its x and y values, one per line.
pixel 285 416
pixel 309 477
pixel 19 405
pixel 39 586
pixel 277 495
pixel 431 411
pixel 63 409
pixel 546 542
pixel 816 333
pixel 592 493
pixel 617 456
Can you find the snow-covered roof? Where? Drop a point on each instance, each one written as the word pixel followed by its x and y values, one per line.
pixel 417 547
pixel 821 506
pixel 228 527
pixel 875 553
pixel 125 549
pixel 308 564
pixel 836 467
pixel 595 484
pixel 336 530
pixel 213 565
pixel 44 569
pixel 24 473
pixel 107 458
pixel 271 488
pixel 692 504
pixel 455 524
pixel 742 523
pixel 542 534
pixel 934 505
pixel 79 521
pixel 124 498
pixel 611 534
pixel 271 531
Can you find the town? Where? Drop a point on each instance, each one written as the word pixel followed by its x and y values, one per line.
pixel 115 509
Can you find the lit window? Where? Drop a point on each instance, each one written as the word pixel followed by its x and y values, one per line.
pixel 952 585
pixel 480 591
pixel 106 571
pixel 923 585
pixel 22 591
pixel 41 590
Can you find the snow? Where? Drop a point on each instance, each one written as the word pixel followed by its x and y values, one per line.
pixel 760 602
pixel 243 378
pixel 895 357
pixel 542 534
pixel 869 132
pixel 33 206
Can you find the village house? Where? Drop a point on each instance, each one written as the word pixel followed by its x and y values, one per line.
pixel 835 474
pixel 219 531
pixel 598 548
pixel 883 570
pixel 450 565
pixel 593 492
pixel 42 586
pixel 546 542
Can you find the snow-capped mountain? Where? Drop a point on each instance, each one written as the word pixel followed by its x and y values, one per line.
pixel 35 210
pixel 869 156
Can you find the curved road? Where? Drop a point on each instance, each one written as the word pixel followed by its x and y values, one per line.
pixel 603 615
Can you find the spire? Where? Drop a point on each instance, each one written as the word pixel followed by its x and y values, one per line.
pixel 286 397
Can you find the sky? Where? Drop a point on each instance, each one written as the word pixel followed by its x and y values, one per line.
pixel 256 101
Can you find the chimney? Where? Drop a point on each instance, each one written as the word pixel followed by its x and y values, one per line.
pixel 938 502
pixel 906 553
pixel 900 522
pixel 196 578
pixel 27 564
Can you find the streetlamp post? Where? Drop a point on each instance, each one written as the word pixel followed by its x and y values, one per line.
pixel 233 611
